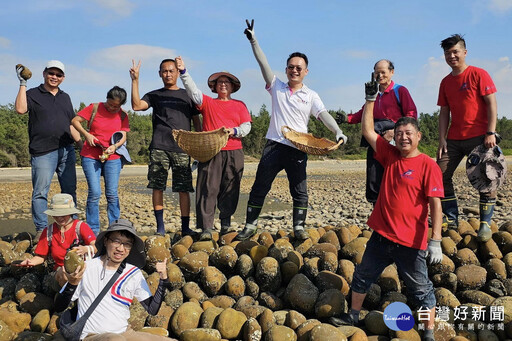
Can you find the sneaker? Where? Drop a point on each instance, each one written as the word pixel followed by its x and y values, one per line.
pixel 206 235
pixel 343 320
pixel 189 232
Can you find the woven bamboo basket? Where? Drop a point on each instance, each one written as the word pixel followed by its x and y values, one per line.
pixel 308 143
pixel 202 146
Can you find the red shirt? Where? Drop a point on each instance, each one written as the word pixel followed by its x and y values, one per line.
pixel 464 95
pixel 387 107
pixel 59 247
pixel 228 114
pixel 401 211
pixel 104 125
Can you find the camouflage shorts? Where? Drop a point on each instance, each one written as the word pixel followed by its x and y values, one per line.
pixel 159 163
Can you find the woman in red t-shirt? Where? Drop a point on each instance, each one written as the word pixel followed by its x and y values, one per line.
pixel 66 233
pixel 103 152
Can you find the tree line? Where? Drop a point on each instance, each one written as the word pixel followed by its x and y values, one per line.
pixel 14 136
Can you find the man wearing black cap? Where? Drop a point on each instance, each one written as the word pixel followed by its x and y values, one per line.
pixel 118 246
pixel 51 137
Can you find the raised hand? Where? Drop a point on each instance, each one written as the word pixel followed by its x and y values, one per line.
pixel 161 268
pixel 371 89
pixel 341 117
pixel 134 70
pixel 249 31
pixel 180 64
pixel 19 70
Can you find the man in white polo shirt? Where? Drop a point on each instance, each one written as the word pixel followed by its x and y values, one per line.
pixel 292 105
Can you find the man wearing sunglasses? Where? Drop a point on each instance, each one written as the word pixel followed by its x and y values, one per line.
pixel 51 137
pixel 293 103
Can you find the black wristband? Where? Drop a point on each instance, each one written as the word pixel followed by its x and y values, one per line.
pixel 182 72
pixel 490 133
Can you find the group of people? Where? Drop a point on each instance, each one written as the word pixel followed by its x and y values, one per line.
pixel 403 184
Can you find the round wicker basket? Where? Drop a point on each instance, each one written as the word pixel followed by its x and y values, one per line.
pixel 202 146
pixel 308 143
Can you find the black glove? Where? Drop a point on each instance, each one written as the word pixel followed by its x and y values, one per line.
pixel 249 31
pixel 371 89
pixel 341 117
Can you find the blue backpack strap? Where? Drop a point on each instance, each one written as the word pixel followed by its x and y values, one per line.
pixel 397 95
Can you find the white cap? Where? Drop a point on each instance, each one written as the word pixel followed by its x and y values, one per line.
pixel 56 64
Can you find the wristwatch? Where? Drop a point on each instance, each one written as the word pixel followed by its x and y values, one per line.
pixel 490 133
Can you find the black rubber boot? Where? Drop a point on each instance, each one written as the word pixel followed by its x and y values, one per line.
pixel 451 212
pixel 299 220
pixel 251 223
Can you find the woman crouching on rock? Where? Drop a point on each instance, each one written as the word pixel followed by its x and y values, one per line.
pixel 64 234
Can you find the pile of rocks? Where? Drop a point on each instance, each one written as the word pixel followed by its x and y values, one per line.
pixel 273 287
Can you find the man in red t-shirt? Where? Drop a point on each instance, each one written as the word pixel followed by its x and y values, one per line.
pixel 466 96
pixel 411 183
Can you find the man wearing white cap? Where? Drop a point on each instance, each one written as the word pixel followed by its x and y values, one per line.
pixel 51 137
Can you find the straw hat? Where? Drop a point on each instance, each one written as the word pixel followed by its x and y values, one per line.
pixel 212 80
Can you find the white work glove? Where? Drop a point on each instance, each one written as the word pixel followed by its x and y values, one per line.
pixel 434 251
pixel 341 136
pixel 371 89
pixel 23 81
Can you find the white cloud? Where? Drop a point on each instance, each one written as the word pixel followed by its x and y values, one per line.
pixel 4 42
pixel 357 54
pixel 122 8
pixel 121 56
pixel 500 6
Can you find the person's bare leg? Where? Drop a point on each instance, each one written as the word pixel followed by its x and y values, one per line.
pixel 356 305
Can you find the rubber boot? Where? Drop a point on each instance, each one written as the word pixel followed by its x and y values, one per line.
pixel 451 212
pixel 225 225
pixel 159 217
pixel 251 223
pixel 486 211
pixel 299 220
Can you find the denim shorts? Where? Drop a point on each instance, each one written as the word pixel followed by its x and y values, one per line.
pixel 159 163
pixel 411 265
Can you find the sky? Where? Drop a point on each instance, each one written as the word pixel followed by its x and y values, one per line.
pixel 97 40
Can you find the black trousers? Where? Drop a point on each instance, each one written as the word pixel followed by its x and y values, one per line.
pixel 276 157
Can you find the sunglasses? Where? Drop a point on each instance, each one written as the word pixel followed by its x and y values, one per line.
pixel 291 67
pixel 53 73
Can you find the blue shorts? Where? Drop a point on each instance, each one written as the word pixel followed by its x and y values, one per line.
pixel 411 265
